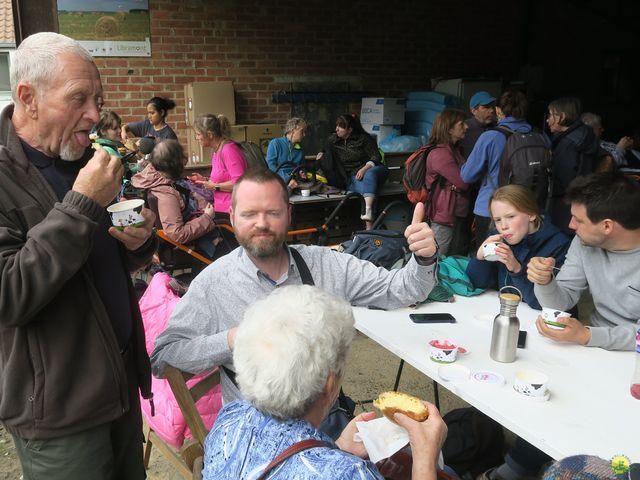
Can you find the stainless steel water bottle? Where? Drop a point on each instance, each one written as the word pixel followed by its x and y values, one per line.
pixel 504 339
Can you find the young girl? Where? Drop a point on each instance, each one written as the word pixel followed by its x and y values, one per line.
pixel 521 233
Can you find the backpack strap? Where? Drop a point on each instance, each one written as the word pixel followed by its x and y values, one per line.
pixel 290 451
pixel 305 274
pixel 307 279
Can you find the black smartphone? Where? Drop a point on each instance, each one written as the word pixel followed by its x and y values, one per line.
pixel 522 338
pixel 432 318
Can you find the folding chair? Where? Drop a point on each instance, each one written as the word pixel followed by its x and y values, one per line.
pixel 187 456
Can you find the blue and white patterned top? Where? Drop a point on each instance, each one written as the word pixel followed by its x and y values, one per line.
pixel 244 441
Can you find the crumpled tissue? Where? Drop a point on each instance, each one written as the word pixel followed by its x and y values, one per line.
pixel 382 438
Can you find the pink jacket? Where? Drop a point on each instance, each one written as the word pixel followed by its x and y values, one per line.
pixel 448 191
pixel 226 164
pixel 171 206
pixel 156 306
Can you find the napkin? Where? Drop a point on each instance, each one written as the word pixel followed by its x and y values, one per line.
pixel 382 438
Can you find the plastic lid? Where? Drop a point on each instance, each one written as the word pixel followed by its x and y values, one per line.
pixel 454 372
pixel 489 377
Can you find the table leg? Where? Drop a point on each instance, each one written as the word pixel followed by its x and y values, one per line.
pixel 395 386
pixel 436 395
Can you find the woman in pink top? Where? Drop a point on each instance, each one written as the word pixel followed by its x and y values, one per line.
pixel 448 200
pixel 227 163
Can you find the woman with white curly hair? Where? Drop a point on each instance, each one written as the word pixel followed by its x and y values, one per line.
pixel 289 364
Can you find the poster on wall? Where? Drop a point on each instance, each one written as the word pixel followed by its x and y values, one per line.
pixel 108 28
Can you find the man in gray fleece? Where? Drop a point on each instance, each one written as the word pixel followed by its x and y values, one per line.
pixel 604 257
pixel 202 328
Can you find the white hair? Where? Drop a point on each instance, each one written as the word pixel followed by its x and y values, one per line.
pixel 287 346
pixel 591 119
pixel 36 59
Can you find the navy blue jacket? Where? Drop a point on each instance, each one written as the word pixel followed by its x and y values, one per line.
pixel 548 241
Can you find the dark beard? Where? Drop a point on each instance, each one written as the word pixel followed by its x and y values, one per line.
pixel 264 248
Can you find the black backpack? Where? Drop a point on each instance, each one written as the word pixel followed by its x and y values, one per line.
pixel 526 160
pixel 383 248
pixel 474 442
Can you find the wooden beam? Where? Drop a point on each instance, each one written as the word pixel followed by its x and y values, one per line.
pixel 33 16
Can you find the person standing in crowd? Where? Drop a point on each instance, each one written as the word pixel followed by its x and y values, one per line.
pixel 202 328
pixel 483 117
pixel 73 357
pixel 483 164
pixel 155 125
pixel 227 162
pixel 521 233
pixel 611 155
pixel 285 154
pixel 448 202
pixel 356 158
pixel 574 148
pixel 290 365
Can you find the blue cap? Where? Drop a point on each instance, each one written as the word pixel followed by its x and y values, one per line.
pixel 481 98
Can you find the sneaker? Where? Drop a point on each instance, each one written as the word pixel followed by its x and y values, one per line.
pixel 368 216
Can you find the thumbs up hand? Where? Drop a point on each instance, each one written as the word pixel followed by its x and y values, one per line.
pixel 419 236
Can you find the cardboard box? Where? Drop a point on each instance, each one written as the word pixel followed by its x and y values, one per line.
pixel 201 157
pixel 382 131
pixel 262 133
pixel 382 111
pixel 209 97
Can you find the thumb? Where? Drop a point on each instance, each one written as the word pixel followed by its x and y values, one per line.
pixel 418 214
pixel 549 261
pixel 366 416
pixel 402 420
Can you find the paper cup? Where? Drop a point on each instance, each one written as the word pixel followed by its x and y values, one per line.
pixel 443 351
pixel 126 214
pixel 489 251
pixel 531 383
pixel 305 192
pixel 550 317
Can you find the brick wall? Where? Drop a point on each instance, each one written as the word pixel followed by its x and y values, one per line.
pixel 382 47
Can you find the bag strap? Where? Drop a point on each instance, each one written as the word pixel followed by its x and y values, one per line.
pixel 307 279
pixel 292 450
pixel 305 274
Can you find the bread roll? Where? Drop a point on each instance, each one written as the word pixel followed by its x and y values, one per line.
pixel 391 402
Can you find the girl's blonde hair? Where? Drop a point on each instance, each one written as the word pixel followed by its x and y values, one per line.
pixel 521 197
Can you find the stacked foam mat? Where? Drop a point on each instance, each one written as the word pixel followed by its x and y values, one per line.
pixel 422 108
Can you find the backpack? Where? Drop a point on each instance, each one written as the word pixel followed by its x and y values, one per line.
pixel 415 175
pixel 253 155
pixel 383 248
pixel 526 160
pixel 474 441
pixel 452 275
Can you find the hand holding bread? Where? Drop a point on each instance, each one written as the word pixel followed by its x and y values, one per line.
pixel 391 402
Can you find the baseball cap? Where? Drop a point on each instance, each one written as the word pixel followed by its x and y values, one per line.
pixel 481 98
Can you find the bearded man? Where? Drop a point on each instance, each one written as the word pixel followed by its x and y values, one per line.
pixel 201 331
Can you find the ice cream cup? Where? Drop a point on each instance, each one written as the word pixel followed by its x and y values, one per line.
pixel 550 317
pixel 443 351
pixel 531 383
pixel 305 192
pixel 489 251
pixel 127 214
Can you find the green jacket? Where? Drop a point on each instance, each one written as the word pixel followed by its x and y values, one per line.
pixel 61 370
